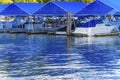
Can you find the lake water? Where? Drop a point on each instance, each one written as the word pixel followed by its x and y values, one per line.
pixel 45 57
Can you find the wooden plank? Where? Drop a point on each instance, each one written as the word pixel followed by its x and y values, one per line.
pixel 69 24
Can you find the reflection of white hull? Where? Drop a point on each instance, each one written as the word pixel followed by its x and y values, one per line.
pixel 91 31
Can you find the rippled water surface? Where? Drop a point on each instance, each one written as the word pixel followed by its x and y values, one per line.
pixel 44 57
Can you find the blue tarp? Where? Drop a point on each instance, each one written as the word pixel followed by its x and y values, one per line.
pixel 91 23
pixel 13 9
pixel 51 9
pixel 71 7
pixel 3 6
pixel 117 13
pixel 112 11
pixel 115 4
pixel 95 8
pixel 30 8
pixel 21 8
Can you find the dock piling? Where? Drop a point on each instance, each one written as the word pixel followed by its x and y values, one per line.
pixel 69 24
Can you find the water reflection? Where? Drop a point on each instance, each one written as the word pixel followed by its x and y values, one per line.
pixel 101 56
pixel 39 57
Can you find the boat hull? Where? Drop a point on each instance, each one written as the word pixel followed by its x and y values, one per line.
pixel 91 31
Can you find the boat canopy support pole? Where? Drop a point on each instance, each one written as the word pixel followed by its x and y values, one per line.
pixel 69 24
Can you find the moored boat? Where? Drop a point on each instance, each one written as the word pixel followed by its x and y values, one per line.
pixel 94 27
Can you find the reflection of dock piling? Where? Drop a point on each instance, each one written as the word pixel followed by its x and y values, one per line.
pixel 68 44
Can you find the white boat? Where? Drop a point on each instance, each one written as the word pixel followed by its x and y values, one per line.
pixel 100 28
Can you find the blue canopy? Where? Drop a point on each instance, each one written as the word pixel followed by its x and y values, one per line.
pixel 112 11
pixel 91 23
pixel 112 3
pixel 13 9
pixel 95 8
pixel 3 6
pixel 30 8
pixel 71 7
pixel 51 9
pixel 117 13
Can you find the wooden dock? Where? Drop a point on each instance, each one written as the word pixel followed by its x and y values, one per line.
pixel 110 34
pixel 96 35
pixel 60 33
pixel 79 35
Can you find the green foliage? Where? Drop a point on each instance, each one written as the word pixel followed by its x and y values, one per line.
pixel 87 1
pixel 40 1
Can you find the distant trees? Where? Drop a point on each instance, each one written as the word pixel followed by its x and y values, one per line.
pixel 40 1
pixel 6 1
pixel 24 0
pixel 87 1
